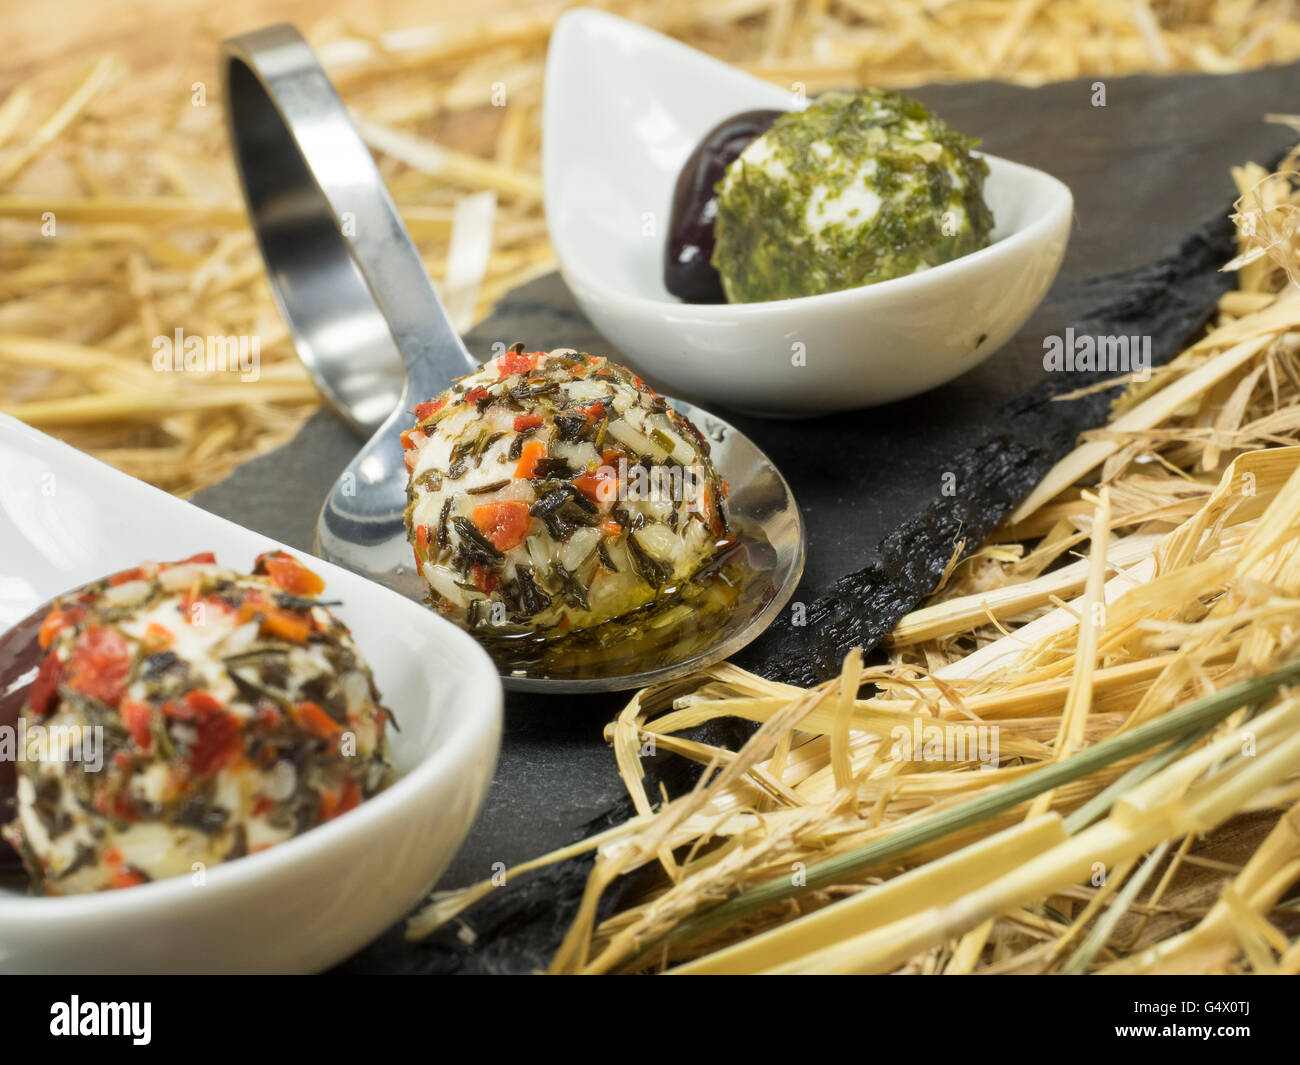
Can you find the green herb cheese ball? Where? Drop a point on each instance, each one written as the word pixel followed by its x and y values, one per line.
pixel 858 188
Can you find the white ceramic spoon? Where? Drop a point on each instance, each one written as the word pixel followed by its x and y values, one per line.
pixel 624 108
pixel 67 520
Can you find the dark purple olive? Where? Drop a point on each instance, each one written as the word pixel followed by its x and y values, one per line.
pixel 688 273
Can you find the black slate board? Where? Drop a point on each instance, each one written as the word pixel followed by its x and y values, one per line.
pixel 1147 170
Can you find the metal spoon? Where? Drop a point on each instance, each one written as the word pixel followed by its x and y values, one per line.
pixel 373 333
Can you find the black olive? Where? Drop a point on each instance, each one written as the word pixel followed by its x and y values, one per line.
pixel 688 274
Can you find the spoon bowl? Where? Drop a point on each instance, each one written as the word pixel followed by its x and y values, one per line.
pixel 375 336
pixel 610 161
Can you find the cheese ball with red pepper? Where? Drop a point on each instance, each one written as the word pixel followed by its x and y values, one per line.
pixel 218 715
pixel 551 492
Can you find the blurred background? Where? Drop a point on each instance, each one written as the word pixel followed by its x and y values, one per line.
pixel 120 217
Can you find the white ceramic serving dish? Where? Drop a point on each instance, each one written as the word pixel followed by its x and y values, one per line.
pixel 66 519
pixel 624 108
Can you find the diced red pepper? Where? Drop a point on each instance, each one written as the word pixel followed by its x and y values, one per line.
pixel 533 453
pixel 612 528
pixel 329 805
pixel 202 558
pixel 527 421
pixel 263 804
pixel 313 719
pixel 595 412
pixel 484 580
pixel 709 512
pixel 137 717
pixel 513 362
pixel 217 744
pixel 504 524
pixel 332 803
pixel 476 394
pixel 288 573
pixel 41 692
pixel 599 487
pixel 428 410
pixel 126 575
pixel 125 878
pixel 421 544
pixel 56 621
pixel 123 807
pixel 202 702
pixel 351 795
pixel 208 602
pixel 158 637
pixel 218 732
pixel 99 664
pixel 411 439
pixel 286 624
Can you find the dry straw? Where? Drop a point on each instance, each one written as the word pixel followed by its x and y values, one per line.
pixel 120 221
pixel 1068 764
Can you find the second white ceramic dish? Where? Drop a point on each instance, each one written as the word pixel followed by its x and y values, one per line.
pixel 624 108
pixel 65 520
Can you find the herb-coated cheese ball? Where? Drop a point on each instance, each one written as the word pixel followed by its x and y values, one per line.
pixel 858 188
pixel 551 492
pixel 184 713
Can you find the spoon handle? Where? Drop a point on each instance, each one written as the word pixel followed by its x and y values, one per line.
pixel 344 272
